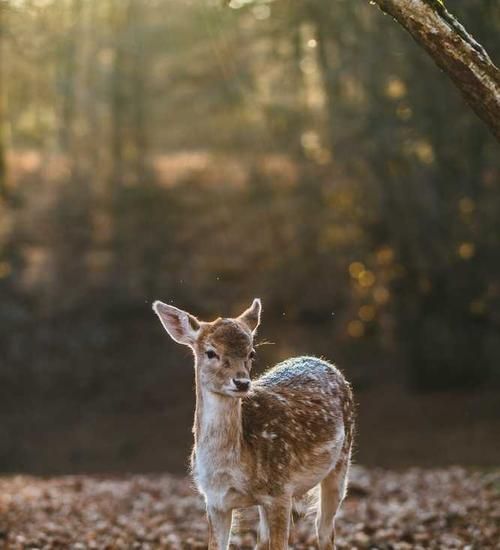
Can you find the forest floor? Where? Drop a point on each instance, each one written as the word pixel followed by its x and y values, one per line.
pixel 416 508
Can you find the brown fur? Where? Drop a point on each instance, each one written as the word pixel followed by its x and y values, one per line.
pixel 291 431
pixel 232 337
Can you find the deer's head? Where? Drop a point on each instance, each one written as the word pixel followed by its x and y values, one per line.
pixel 223 348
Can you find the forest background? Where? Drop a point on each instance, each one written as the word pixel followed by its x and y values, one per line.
pixel 306 152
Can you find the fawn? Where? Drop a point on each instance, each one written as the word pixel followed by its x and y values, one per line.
pixel 267 441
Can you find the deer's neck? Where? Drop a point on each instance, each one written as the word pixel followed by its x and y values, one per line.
pixel 217 422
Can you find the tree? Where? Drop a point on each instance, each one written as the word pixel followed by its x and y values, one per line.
pixel 3 166
pixel 455 51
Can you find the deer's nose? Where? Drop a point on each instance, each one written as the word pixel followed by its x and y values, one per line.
pixel 241 384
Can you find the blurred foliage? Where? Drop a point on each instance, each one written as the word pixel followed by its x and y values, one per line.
pixel 307 152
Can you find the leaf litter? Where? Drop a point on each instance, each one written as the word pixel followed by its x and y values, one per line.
pixel 448 508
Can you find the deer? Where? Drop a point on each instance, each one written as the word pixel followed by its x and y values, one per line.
pixel 263 442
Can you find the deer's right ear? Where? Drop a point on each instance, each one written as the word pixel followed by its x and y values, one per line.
pixel 251 316
pixel 182 327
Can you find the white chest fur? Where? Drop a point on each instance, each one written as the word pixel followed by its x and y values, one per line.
pixel 220 479
pixel 217 466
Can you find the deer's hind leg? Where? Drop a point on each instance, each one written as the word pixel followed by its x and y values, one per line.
pixel 332 492
pixel 263 533
pixel 274 525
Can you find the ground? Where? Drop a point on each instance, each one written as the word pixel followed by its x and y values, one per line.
pixel 446 509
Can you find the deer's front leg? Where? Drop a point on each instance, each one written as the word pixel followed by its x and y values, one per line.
pixel 278 518
pixel 219 528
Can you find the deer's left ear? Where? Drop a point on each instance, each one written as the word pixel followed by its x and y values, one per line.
pixel 182 327
pixel 251 316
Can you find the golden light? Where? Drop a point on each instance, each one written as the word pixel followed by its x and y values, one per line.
pixel 5 269
pixel 404 112
pixel 355 269
pixel 424 151
pixel 355 329
pixel 395 88
pixel 385 255
pixel 322 156
pixel 381 295
pixel 466 205
pixel 366 279
pixel 367 313
pixel 466 250
pixel 310 140
pixel 261 12
pixel 32 3
pixel 308 66
pixel 237 4
pixel 312 43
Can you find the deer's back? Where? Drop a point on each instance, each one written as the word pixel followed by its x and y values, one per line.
pixel 297 422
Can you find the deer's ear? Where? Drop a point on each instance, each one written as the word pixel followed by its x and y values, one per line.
pixel 251 316
pixel 182 327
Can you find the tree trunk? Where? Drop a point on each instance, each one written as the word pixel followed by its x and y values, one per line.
pixel 120 93
pixel 138 77
pixel 330 81
pixel 3 162
pixel 455 51
pixel 70 66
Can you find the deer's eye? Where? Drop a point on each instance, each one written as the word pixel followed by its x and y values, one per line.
pixel 251 355
pixel 211 354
